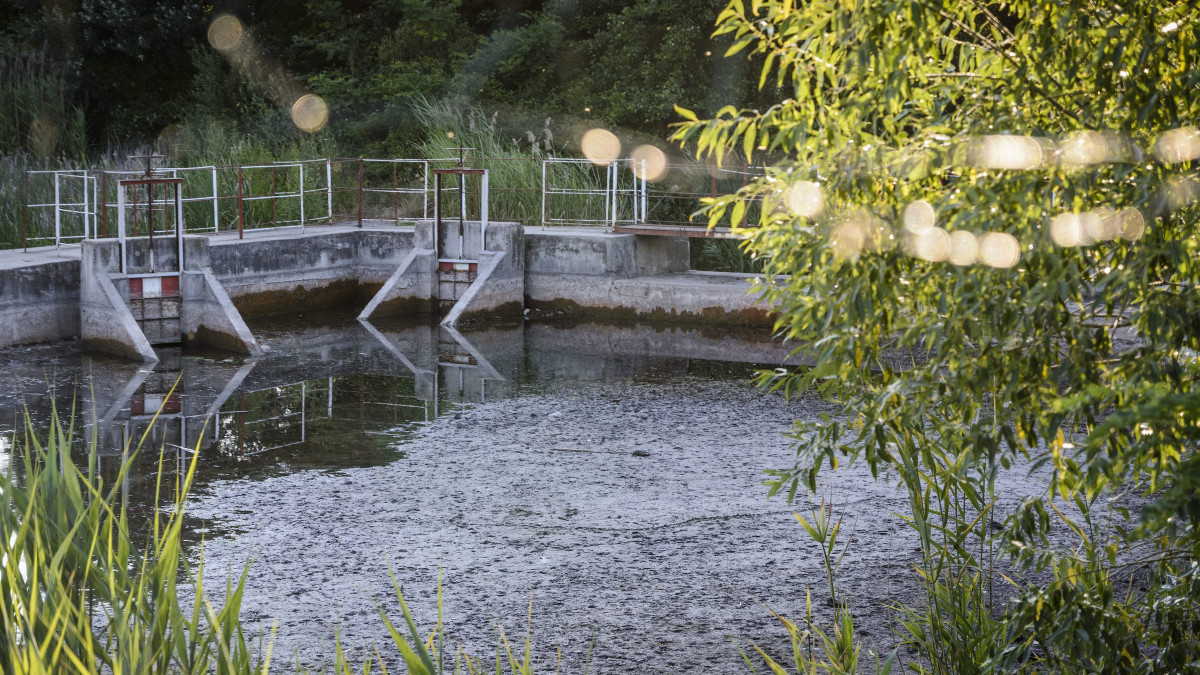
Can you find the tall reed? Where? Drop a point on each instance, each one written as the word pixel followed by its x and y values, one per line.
pixel 82 592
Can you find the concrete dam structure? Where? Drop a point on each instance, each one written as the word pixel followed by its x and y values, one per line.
pixel 124 297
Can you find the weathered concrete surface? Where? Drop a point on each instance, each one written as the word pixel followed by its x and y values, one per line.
pixel 562 271
pixel 209 316
pixel 105 322
pixel 409 290
pixel 286 271
pixel 499 287
pixel 39 296
pixel 688 297
pixel 578 272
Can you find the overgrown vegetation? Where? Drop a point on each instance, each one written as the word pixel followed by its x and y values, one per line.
pixel 87 587
pixel 988 231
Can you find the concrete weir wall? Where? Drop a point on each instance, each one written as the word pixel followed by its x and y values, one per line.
pixel 39 298
pixel 569 272
pixel 202 312
pixel 626 276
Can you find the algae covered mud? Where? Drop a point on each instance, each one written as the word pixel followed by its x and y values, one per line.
pixel 610 476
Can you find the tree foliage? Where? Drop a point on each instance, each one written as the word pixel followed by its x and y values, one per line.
pixel 138 66
pixel 985 218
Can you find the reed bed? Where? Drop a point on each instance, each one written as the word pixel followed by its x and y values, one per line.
pixel 90 585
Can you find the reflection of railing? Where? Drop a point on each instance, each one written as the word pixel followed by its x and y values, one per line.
pixel 283 416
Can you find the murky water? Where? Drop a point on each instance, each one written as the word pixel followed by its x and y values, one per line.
pixel 335 394
pixel 610 475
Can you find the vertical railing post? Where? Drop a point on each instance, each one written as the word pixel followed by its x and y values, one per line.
pixel 216 201
pixel 57 210
pixel 745 181
pixel 86 210
pixel 25 212
pixel 543 194
pixel 613 178
pixel 274 202
pixel 329 188
pixel 121 224
pixel 645 202
pixel 179 223
pixel 395 196
pixel 425 191
pixel 301 196
pixel 241 213
pixel 103 203
pixel 95 202
pixel 360 193
pixel 483 211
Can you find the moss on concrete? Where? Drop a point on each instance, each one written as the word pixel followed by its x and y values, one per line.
pixel 337 293
pixel 562 308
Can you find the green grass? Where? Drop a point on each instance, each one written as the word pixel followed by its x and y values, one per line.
pixel 87 587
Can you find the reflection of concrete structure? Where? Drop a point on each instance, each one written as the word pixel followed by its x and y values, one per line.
pixel 355 379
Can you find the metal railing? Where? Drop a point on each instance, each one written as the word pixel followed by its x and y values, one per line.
pixel 67 206
pixel 73 194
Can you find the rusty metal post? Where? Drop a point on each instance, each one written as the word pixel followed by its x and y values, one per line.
pixel 360 193
pixel 135 211
pixel 241 214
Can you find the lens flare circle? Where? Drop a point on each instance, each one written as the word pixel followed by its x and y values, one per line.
pixel 1066 230
pixel 225 33
pixel 601 146
pixel 650 163
pixel 309 113
pixel 804 199
pixel 963 248
pixel 919 217
pixel 1178 145
pixel 999 249
pixel 1007 152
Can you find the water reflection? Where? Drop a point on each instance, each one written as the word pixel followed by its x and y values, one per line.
pixel 334 395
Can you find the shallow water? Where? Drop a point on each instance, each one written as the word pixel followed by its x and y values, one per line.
pixel 610 475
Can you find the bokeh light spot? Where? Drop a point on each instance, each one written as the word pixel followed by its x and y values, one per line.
pixel 1006 152
pixel 1178 145
pixel 43 136
pixel 650 163
pixel 1132 224
pixel 999 249
pixel 1084 147
pixel 963 248
pixel 1066 230
pixel 804 199
pixel 919 217
pixel 932 244
pixel 225 33
pixel 310 113
pixel 847 239
pixel 173 141
pixel 1181 191
pixel 1100 224
pixel 601 146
